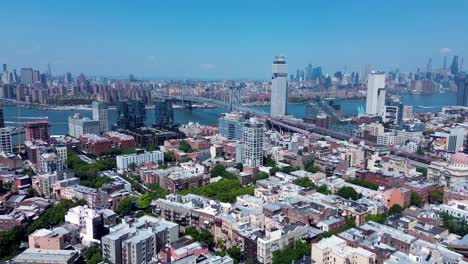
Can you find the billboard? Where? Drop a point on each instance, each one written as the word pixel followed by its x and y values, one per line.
pixel 438 144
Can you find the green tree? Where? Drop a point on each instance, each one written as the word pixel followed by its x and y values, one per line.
pixel 132 166
pixel 261 176
pixel 436 197
pixel 454 225
pixel 235 254
pixel 220 170
pixel 124 207
pixel 422 170
pixel 313 169
pixel 27 171
pixel 93 254
pixel 128 150
pixel 304 182
pixel 224 190
pixel 269 162
pixel 348 193
pixel 10 242
pixel 416 199
pixel 395 209
pixel 185 147
pixel 152 147
pixel 305 149
pixel 323 189
pixel 364 183
pixel 54 215
pixel 169 157
pixel 205 236
pixel 290 253
pixel 379 218
pixel 144 201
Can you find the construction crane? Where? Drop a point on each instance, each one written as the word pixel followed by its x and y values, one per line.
pixel 19 127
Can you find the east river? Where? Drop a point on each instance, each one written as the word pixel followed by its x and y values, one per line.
pixel 209 116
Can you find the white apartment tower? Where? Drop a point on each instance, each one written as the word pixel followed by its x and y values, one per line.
pixel 279 87
pixel 253 144
pixel 375 100
pixel 101 114
pixel 5 140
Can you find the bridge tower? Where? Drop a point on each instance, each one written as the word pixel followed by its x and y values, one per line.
pixel 187 104
pixel 235 95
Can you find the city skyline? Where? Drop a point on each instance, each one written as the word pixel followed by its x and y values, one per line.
pixel 210 40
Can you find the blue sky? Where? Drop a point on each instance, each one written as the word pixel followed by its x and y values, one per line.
pixel 228 39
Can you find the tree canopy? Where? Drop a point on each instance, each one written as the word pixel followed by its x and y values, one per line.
pixel 261 176
pixel 436 196
pixel 304 182
pixel 220 170
pixel 323 189
pixel 363 183
pixel 124 207
pixel 454 225
pixel 312 168
pixel 395 209
pixel 416 199
pixel 292 252
pixel 223 190
pixel 348 193
pixel 185 147
pixel 205 236
pixel 89 173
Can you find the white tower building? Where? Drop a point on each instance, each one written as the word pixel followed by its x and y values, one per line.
pixel 375 101
pixel 252 152
pixel 279 87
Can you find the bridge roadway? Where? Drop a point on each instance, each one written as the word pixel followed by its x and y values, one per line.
pixel 299 126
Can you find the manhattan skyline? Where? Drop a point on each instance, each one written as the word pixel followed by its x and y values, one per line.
pixel 216 40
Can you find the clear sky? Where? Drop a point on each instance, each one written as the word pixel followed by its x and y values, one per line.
pixel 228 39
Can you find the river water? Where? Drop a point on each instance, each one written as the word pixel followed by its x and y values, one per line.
pixel 209 116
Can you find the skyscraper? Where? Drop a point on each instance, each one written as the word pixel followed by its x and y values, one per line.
pixel 5 140
pixel 445 63
pixel 26 76
pixel 101 114
pixel 131 114
pixel 279 87
pixel 163 113
pixel 252 153
pixel 36 76
pixel 375 100
pixel 68 78
pixel 454 67
pixel 231 125
pixel 462 93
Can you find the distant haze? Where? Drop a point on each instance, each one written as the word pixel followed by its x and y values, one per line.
pixel 229 39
